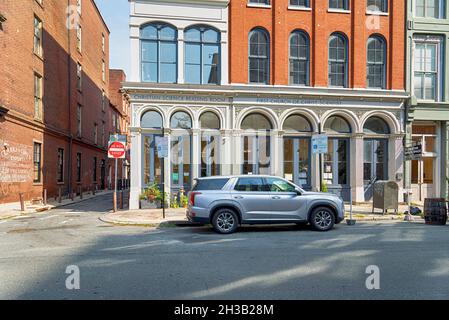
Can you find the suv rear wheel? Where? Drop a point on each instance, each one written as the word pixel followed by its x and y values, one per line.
pixel 322 219
pixel 225 221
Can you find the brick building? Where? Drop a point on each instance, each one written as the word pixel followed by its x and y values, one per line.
pixel 249 82
pixel 55 111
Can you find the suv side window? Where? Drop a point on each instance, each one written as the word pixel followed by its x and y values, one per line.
pixel 279 185
pixel 251 185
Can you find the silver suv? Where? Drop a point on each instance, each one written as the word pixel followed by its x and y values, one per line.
pixel 227 202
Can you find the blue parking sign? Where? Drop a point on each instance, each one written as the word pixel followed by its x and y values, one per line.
pixel 319 144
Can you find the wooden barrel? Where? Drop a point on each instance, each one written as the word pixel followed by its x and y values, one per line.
pixel 435 211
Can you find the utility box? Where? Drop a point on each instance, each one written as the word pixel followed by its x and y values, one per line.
pixel 386 194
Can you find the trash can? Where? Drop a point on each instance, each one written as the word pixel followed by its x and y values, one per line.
pixel 435 211
pixel 385 196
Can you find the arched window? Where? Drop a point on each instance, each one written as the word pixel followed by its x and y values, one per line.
pixel 299 58
pixel 297 123
pixel 209 121
pixel 256 121
pixel 159 57
pixel 376 125
pixel 181 120
pixel 202 55
pixel 338 61
pixel 259 57
pixel 151 119
pixel 376 63
pixel 337 124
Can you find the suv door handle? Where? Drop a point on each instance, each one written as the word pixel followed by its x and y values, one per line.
pixel 238 197
pixel 277 198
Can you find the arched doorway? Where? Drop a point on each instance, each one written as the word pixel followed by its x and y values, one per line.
pixel 181 150
pixel 152 124
pixel 210 144
pixel 336 173
pixel 256 144
pixel 375 154
pixel 297 159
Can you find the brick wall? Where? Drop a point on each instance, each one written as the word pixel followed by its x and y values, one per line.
pixel 58 127
pixel 279 21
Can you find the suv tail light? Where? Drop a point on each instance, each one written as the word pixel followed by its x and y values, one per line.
pixel 192 197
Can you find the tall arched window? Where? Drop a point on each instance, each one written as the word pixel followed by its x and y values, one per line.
pixel 152 166
pixel 152 120
pixel 256 144
pixel 210 144
pixel 338 61
pixel 259 56
pixel 202 55
pixel 181 153
pixel 299 58
pixel 159 57
pixel 376 63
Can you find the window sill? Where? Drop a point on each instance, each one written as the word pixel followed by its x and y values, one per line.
pixel 37 184
pixel 39 56
pixel 339 11
pixel 299 8
pixel 377 13
pixel 259 6
pixel 60 183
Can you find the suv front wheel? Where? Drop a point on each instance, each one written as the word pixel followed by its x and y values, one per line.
pixel 225 221
pixel 322 219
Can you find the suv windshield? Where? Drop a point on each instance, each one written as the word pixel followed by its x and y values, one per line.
pixel 209 184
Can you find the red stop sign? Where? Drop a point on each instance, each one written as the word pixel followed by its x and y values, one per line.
pixel 116 150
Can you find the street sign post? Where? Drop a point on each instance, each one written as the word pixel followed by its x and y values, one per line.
pixel 319 143
pixel 413 152
pixel 320 146
pixel 116 150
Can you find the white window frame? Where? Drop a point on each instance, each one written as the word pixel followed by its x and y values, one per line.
pixel 430 39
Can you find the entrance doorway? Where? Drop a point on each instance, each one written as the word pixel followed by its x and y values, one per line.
pixel 297 161
pixel 256 144
pixel 423 178
pixel 375 165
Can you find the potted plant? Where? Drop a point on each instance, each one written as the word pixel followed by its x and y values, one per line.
pixel 184 201
pixel 149 199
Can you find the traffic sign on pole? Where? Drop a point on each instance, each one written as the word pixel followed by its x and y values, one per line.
pixel 116 150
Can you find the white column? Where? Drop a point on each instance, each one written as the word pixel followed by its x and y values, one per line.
pixel 135 54
pixel 356 165
pixel 224 58
pixel 315 172
pixel 180 55
pixel 136 169
pixel 396 162
pixel 276 153
pixel 226 148
pixel 196 145
pixel 237 152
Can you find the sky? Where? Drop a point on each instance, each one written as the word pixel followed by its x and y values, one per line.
pixel 116 15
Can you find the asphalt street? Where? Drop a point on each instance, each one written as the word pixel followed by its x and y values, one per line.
pixel 283 262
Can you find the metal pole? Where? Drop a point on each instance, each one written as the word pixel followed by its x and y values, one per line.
pixel 22 202
pixel 115 186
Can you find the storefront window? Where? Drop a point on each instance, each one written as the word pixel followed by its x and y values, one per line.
pixel 210 144
pixel 152 171
pixel 181 143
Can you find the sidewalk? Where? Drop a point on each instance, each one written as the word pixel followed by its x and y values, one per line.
pixel 153 218
pixel 12 210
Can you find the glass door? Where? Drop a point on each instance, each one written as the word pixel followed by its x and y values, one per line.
pixel 210 155
pixel 336 167
pixel 181 162
pixel 297 161
pixel 375 165
pixel 256 154
pixel 152 166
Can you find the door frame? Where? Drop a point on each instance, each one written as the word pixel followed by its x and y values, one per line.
pixel 296 139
